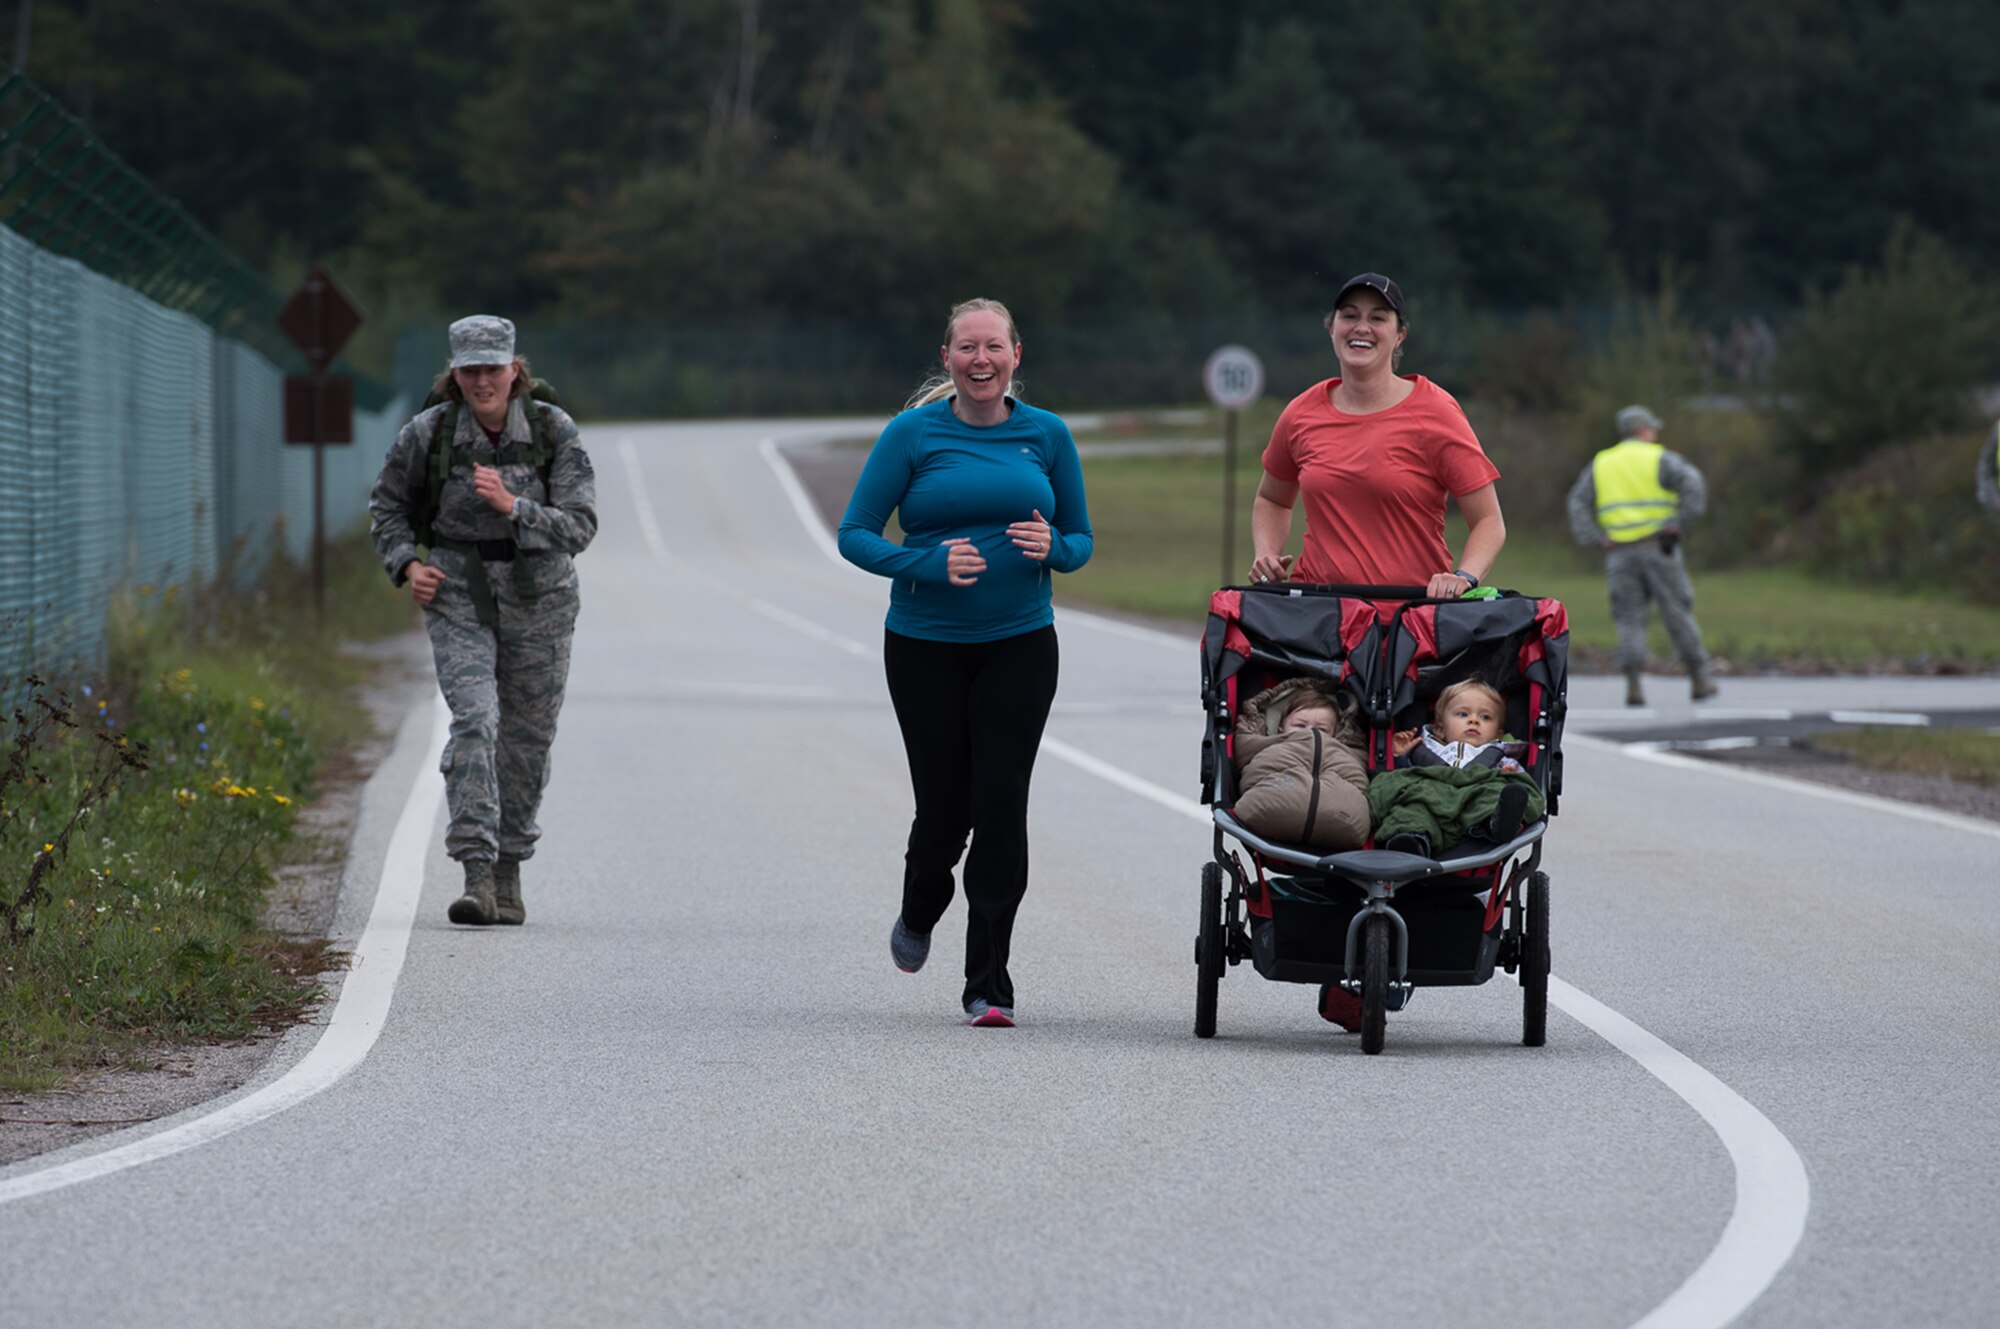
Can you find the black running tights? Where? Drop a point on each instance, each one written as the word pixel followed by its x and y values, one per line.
pixel 972 715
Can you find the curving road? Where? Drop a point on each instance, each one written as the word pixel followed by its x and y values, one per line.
pixel 694 1091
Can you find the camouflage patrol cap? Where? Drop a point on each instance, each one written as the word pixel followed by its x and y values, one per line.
pixel 482 339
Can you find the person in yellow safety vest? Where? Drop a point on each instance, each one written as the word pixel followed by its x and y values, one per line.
pixel 1631 501
pixel 1987 477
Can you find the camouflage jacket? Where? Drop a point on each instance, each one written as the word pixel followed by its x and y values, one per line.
pixel 559 519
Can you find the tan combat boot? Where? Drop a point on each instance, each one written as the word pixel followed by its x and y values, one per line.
pixel 1699 688
pixel 476 906
pixel 1634 694
pixel 507 892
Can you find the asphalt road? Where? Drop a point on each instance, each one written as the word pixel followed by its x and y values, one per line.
pixel 694 1091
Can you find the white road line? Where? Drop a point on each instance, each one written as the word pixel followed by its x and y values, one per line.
pixel 1698 744
pixel 352 1028
pixel 806 627
pixel 1772 1194
pixel 1894 807
pixel 802 504
pixel 642 503
pixel 1190 643
pixel 649 529
pixel 1902 719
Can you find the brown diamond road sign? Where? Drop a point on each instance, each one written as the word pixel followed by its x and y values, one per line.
pixel 320 317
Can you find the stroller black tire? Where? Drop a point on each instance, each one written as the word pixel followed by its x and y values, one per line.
pixel 1374 983
pixel 1535 963
pixel 1210 951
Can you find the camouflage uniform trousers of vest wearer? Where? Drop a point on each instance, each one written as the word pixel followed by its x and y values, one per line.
pixel 504 685
pixel 1640 573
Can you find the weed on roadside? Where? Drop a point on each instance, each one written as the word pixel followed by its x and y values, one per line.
pixel 142 814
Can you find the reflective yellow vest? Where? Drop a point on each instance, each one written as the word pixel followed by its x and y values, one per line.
pixel 1631 502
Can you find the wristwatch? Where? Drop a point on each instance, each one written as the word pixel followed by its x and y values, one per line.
pixel 1461 572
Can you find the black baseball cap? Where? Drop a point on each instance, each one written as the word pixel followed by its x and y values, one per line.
pixel 1379 284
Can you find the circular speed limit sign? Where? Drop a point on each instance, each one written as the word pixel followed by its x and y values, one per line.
pixel 1234 377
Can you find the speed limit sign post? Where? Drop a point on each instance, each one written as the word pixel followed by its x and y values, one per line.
pixel 1234 378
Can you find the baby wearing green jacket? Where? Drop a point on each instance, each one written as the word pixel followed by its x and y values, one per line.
pixel 1460 784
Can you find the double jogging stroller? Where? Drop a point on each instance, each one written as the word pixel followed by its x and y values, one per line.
pixel 1370 922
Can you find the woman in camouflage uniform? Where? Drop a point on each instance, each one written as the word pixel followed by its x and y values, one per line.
pixel 501 510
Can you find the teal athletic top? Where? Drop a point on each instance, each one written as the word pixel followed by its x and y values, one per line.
pixel 944 478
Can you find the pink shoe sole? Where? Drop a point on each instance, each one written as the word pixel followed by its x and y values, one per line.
pixel 993 1017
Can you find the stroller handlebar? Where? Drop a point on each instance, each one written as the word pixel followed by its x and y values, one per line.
pixel 1358 592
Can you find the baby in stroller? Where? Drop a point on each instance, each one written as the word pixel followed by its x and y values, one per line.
pixel 1461 781
pixel 1300 776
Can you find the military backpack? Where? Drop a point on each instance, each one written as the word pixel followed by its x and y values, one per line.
pixel 539 452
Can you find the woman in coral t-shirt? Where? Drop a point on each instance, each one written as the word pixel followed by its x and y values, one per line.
pixel 1375 454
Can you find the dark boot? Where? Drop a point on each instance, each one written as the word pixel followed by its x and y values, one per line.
pixel 1634 694
pixel 507 892
pixel 476 906
pixel 1699 688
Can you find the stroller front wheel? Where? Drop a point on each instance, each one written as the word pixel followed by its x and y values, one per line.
pixel 1374 984
pixel 1210 951
pixel 1535 963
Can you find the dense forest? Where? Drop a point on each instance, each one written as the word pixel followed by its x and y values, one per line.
pixel 866 161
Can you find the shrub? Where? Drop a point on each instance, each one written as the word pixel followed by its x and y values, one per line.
pixel 1532 365
pixel 1892 354
pixel 1905 518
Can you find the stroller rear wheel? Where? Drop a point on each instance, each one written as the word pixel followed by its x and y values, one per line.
pixel 1374 983
pixel 1210 951
pixel 1535 963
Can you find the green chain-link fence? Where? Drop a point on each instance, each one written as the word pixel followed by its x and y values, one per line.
pixel 141 398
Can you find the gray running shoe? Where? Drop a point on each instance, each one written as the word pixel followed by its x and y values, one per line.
pixel 908 949
pixel 982 1014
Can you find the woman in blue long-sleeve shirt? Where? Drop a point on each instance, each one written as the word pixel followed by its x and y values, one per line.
pixel 989 494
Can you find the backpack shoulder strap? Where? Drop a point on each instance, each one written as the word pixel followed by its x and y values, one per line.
pixel 437 470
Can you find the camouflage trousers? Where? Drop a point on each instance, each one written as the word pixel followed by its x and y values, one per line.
pixel 1639 574
pixel 504 684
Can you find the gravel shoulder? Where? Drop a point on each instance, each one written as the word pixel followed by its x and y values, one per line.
pixel 1965 799
pixel 171 1079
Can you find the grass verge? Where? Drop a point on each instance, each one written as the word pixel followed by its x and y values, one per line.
pixel 1970 756
pixel 142 814
pixel 1158 522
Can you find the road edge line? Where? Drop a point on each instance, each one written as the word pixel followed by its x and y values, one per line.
pixel 1773 1196
pixel 359 1012
pixel 1832 793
